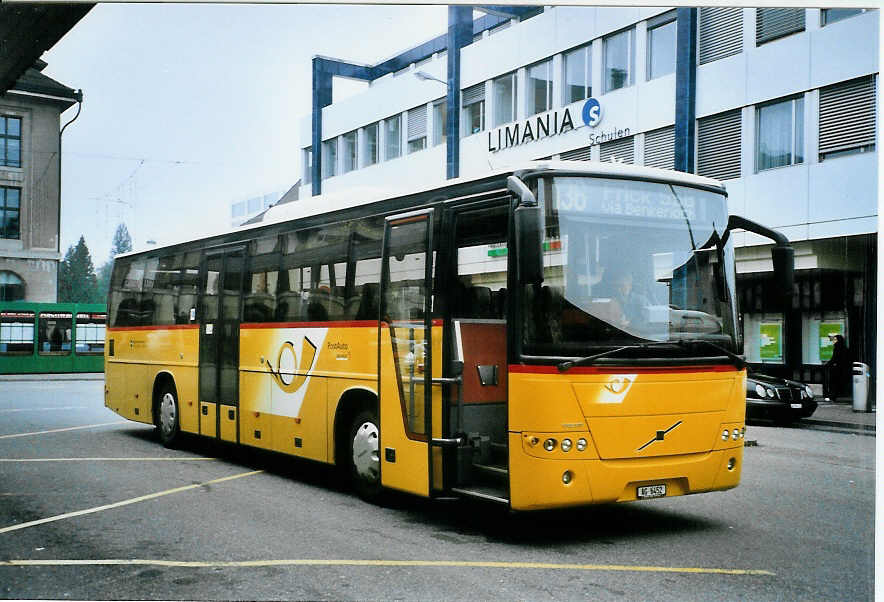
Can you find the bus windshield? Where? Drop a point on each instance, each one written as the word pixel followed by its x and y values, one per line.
pixel 629 262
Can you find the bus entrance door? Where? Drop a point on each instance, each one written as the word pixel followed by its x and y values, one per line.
pixel 410 357
pixel 220 291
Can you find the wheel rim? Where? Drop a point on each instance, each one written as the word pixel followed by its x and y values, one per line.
pixel 168 413
pixel 365 452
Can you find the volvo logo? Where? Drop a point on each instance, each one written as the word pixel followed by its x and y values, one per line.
pixel 659 436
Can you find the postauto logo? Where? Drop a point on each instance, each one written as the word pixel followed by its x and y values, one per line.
pixel 592 112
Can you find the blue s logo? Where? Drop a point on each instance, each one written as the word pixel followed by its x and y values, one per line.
pixel 592 112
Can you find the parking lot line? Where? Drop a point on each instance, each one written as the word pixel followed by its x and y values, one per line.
pixel 186 458
pixel 7 410
pixel 70 428
pixel 390 563
pixel 135 500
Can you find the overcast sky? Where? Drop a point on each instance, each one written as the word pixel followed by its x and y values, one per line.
pixel 189 107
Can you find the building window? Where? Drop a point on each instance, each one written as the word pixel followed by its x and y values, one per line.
pixel 661 45
pixel 619 53
pixel 830 15
pixel 504 88
pixel 578 74
pixel 10 212
pixel 349 156
pixel 392 137
pixel 329 158
pixel 774 23
pixel 10 141
pixel 307 172
pixel 847 118
pixel 440 122
pixel 780 134
pixel 721 33
pixel 539 87
pixel 473 110
pixel 417 129
pixel 660 148
pixel 618 151
pixel 718 145
pixel 12 288
pixel 238 209
pixel 371 144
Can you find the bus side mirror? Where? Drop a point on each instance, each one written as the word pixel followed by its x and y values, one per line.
pixel 784 268
pixel 529 244
pixel 783 255
pixel 529 232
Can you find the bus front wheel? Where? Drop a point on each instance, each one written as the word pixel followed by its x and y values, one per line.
pixel 167 415
pixel 365 462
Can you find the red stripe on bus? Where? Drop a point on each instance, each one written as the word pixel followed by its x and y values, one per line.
pixel 165 327
pixel 331 324
pixel 522 369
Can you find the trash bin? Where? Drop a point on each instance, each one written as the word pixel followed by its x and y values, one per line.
pixel 861 401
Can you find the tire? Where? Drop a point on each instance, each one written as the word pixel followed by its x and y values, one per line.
pixel 363 456
pixel 167 416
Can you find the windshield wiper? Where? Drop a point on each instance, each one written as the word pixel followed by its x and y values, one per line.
pixel 739 362
pixel 568 364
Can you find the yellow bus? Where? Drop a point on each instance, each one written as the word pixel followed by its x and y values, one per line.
pixel 561 334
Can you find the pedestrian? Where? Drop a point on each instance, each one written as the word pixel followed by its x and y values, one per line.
pixel 838 369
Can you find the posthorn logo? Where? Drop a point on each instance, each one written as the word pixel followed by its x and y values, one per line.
pixel 592 112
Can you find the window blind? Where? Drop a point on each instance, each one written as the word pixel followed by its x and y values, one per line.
pixel 718 145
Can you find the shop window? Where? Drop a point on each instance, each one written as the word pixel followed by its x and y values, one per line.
pixel 661 45
pixel 10 141
pixel 763 336
pixel 578 74
pixel 780 134
pixel 619 60
pixel 816 328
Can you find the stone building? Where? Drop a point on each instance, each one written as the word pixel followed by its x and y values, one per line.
pixel 30 178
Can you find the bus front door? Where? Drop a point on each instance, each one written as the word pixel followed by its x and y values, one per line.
pixel 410 344
pixel 221 275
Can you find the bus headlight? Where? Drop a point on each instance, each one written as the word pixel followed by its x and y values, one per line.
pixel 566 445
pixel 725 435
pixel 549 444
pixel 736 434
pixel 581 444
pixel 567 477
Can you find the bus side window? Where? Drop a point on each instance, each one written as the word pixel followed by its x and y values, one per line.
pixel 125 302
pixel 161 296
pixel 365 270
pixel 480 290
pixel 259 304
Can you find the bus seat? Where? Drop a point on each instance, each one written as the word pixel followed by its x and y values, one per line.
pixel 480 302
pixel 368 302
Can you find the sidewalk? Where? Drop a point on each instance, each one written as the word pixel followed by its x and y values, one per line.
pixel 841 417
pixel 60 376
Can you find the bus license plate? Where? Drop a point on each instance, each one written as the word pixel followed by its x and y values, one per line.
pixel 651 491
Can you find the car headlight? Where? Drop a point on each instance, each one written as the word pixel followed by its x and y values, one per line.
pixel 809 391
pixel 770 393
pixel 759 390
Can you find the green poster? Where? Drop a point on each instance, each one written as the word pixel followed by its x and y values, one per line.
pixel 826 344
pixel 771 341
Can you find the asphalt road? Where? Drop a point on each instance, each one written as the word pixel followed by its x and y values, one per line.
pixel 105 512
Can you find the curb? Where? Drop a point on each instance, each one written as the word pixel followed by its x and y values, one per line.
pixel 838 427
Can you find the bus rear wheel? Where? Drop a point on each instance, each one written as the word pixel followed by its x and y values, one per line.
pixel 364 456
pixel 167 415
